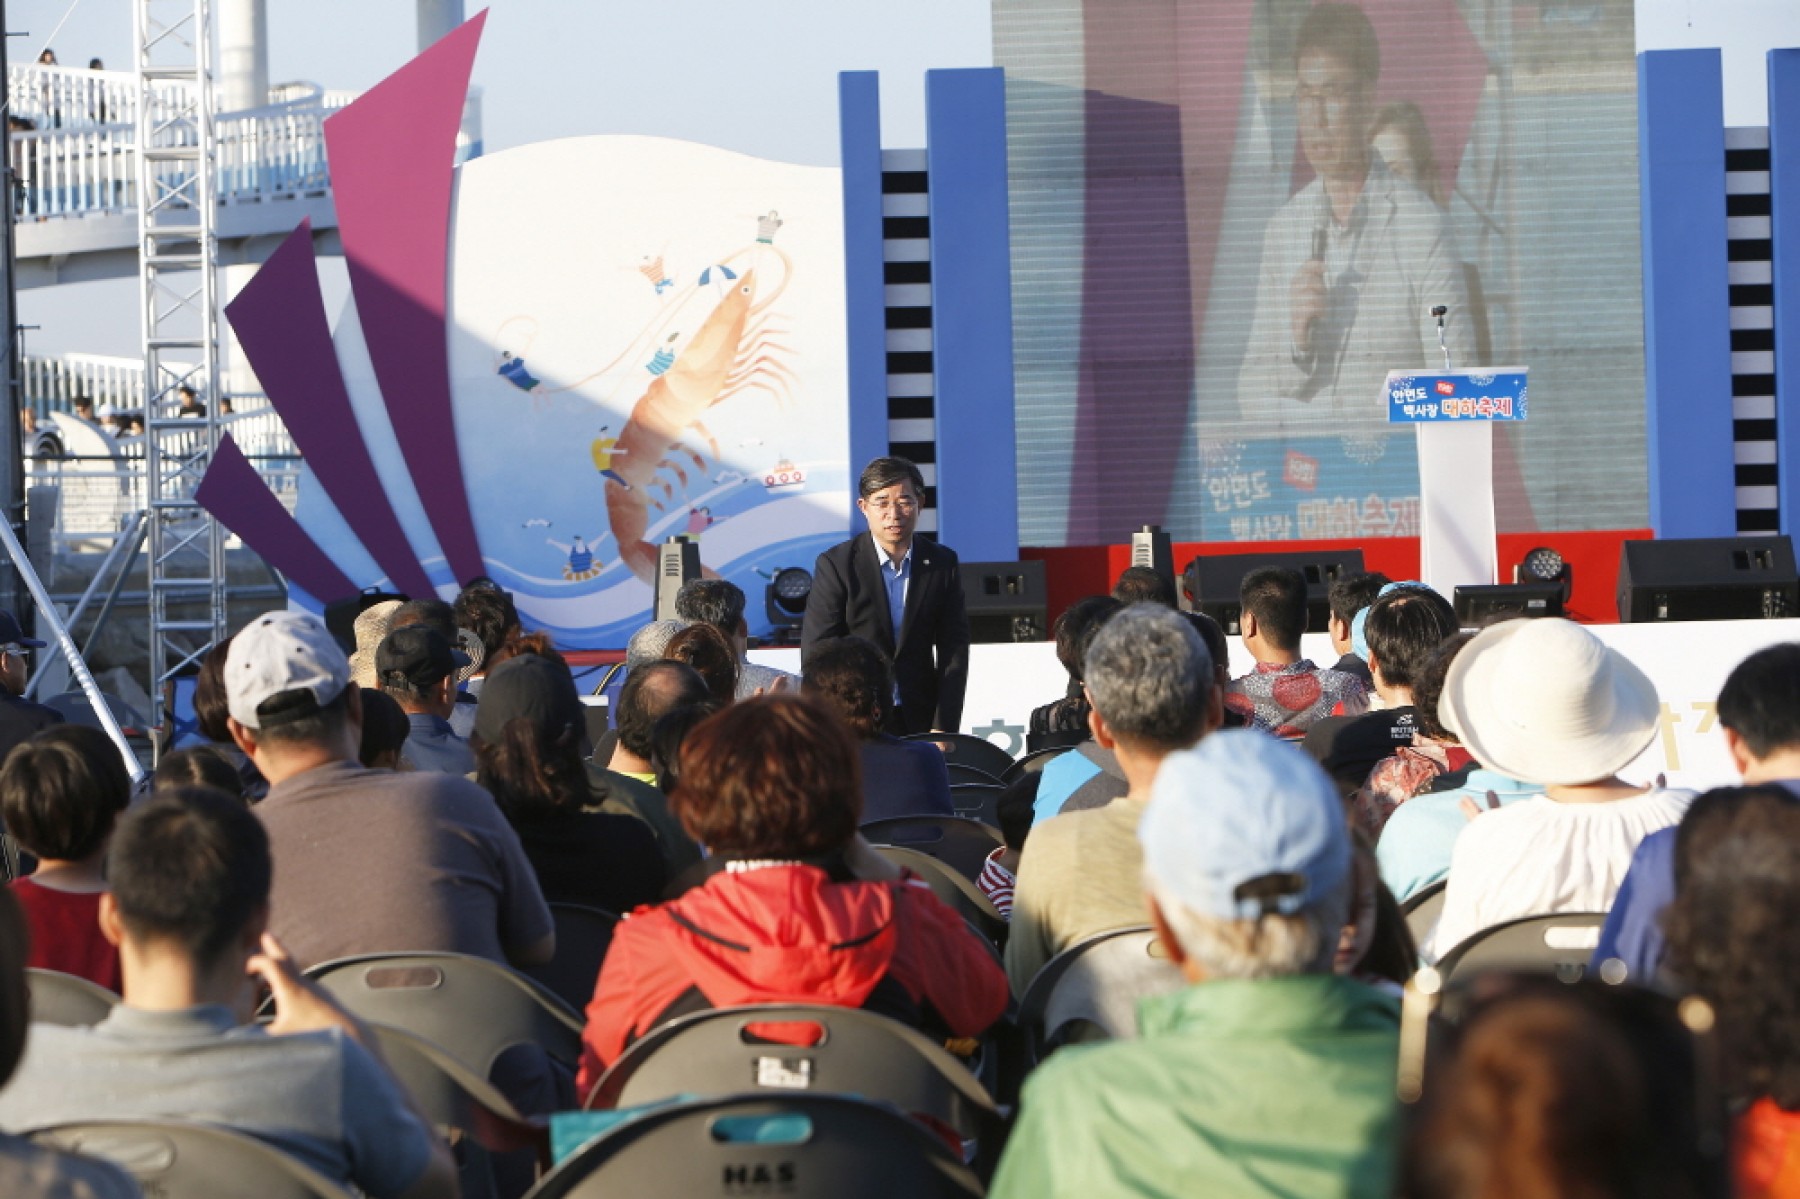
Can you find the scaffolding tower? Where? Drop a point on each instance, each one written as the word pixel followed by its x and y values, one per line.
pixel 177 252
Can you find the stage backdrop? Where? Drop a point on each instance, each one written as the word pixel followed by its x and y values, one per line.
pixel 1229 219
pixel 645 338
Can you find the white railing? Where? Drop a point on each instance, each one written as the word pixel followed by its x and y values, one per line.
pixel 69 97
pixel 54 384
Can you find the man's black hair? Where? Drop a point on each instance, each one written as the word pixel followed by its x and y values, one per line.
pixel 295 718
pixel 1141 585
pixel 434 613
pixel 1352 593
pixel 1404 628
pixel 716 602
pixel 62 791
pixel 1076 627
pixel 883 473
pixel 1276 596
pixel 488 612
pixel 651 692
pixel 1760 700
pixel 190 866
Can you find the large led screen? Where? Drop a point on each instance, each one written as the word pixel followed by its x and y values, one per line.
pixel 1231 219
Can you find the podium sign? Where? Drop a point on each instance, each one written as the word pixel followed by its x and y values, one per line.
pixel 1456 396
pixel 1454 412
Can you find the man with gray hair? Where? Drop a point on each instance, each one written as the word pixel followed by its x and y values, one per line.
pixel 1268 1075
pixel 1151 683
pixel 649 642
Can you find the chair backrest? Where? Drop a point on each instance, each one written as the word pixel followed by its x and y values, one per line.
pixel 583 935
pixel 977 801
pixel 969 774
pixel 1561 943
pixel 1034 762
pixel 957 842
pixel 1422 908
pixel 1090 990
pixel 724 1052
pixel 966 749
pixel 799 1145
pixel 452 1096
pixel 67 999
pixel 470 1007
pixel 193 1161
pixel 952 887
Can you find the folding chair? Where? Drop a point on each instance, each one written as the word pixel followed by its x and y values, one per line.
pixel 1034 762
pixel 952 888
pixel 1090 990
pixel 801 1146
pixel 1422 908
pixel 473 1009
pixel 1561 943
pixel 67 999
pixel 720 1052
pixel 977 801
pixel 193 1161
pixel 966 749
pixel 959 843
pixel 583 935
pixel 970 774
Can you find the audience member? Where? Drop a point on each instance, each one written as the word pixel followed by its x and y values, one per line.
pixel 1414 849
pixel 19 717
pixel 29 1171
pixel 1759 714
pixel 488 612
pixel 1731 937
pixel 1065 721
pixel 191 895
pixel 667 738
pixel 1546 702
pixel 1562 1090
pixel 372 626
pixel 370 861
pixel 527 742
pixel 212 716
pixel 437 614
pixel 770 787
pixel 60 793
pixel 1218 648
pixel 198 766
pixel 720 604
pixel 417 668
pixel 1142 585
pixel 190 405
pixel 649 642
pixel 1376 946
pixel 1286 694
pixel 706 650
pixel 1152 687
pixel 1348 596
pixel 1013 810
pixel 851 678
pixel 1404 628
pixel 385 728
pixel 628 784
pixel 1269 1075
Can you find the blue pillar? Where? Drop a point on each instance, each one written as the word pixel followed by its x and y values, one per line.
pixel 1784 231
pixel 971 313
pixel 1687 334
pixel 865 308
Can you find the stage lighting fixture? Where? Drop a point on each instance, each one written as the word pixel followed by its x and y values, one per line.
pixel 1545 565
pixel 677 563
pixel 785 597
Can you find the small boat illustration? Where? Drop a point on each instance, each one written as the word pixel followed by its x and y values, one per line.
pixel 784 474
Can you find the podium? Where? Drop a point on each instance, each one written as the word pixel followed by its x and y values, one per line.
pixel 1454 414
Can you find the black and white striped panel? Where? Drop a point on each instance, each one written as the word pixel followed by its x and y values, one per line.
pixel 906 254
pixel 1752 327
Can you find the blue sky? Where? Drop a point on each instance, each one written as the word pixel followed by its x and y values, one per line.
pixel 760 78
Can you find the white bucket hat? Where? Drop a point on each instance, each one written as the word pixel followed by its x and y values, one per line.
pixel 1546 702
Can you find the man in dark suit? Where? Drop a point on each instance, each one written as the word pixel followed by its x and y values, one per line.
pixel 19 717
pixel 902 593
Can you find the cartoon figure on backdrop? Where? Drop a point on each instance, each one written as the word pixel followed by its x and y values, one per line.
pixel 766 226
pixel 736 349
pixel 581 557
pixel 604 450
pixel 699 520
pixel 652 269
pixel 664 357
pixel 512 369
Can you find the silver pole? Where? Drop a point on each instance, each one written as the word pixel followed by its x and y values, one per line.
pixel 63 642
pixel 100 576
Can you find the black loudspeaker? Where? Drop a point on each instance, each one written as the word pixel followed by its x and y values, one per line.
pixel 1006 601
pixel 677 561
pixel 1477 603
pixel 340 615
pixel 1708 578
pixel 1211 584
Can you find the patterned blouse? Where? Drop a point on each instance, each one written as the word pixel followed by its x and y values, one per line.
pixel 1286 700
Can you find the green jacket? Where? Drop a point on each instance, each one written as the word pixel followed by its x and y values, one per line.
pixel 1273 1087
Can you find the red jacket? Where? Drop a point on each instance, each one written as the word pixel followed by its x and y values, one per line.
pixel 789 934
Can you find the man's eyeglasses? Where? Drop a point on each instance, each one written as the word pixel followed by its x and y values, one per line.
pixel 903 507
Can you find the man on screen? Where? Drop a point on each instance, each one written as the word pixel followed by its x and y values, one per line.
pixel 1354 261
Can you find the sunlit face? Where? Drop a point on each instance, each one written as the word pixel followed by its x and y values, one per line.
pixel 1394 149
pixel 893 513
pixel 1335 109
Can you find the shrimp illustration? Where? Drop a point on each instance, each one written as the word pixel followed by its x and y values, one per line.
pixel 733 351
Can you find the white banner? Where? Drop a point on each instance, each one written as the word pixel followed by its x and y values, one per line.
pixel 1688 663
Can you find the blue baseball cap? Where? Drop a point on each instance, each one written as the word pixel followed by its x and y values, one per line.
pixel 12 634
pixel 1244 825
